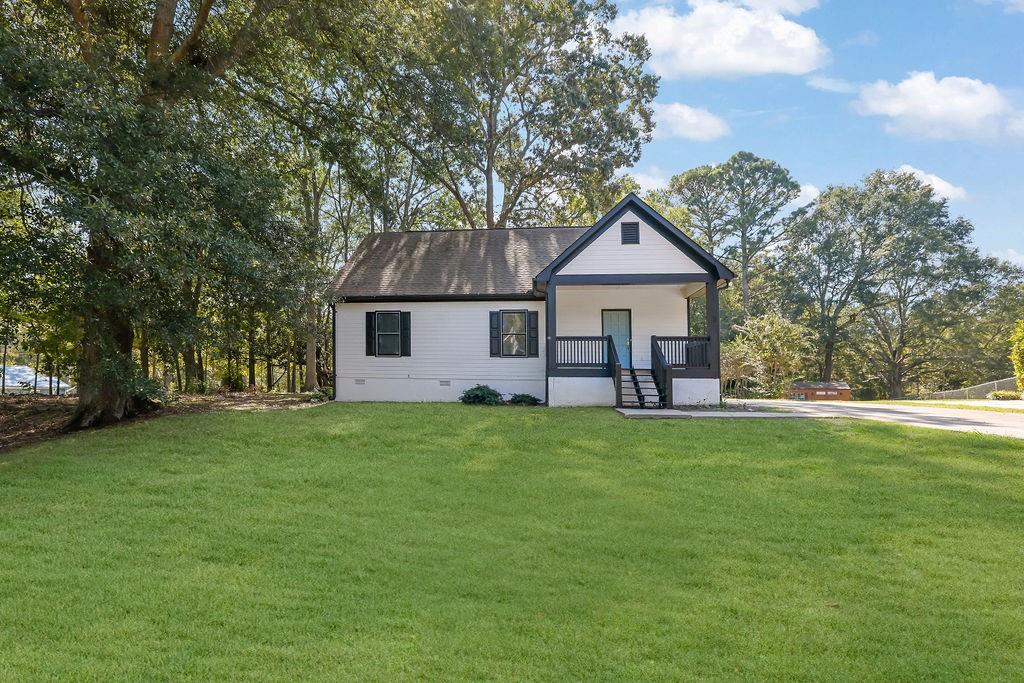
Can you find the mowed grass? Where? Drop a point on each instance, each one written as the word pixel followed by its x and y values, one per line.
pixel 388 542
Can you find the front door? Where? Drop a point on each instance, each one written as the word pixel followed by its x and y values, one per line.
pixel 616 322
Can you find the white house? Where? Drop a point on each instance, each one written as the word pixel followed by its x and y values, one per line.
pixel 624 312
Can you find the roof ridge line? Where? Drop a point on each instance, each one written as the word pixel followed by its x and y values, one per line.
pixel 482 230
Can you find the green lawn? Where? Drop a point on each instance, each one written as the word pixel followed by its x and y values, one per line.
pixel 389 541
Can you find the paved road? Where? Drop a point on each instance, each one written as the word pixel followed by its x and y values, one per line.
pixel 1002 424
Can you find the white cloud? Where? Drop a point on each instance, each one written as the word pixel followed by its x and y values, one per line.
pixel 863 38
pixel 651 179
pixel 1011 255
pixel 1009 6
pixel 677 120
pixel 949 108
pixel 782 6
pixel 1015 126
pixel 808 193
pixel 721 38
pixel 829 84
pixel 943 188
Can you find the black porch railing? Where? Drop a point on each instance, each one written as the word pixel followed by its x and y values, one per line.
pixel 684 352
pixel 661 370
pixel 581 353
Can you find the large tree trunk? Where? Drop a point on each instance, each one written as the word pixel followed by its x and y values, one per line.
pixel 144 353
pixel 827 365
pixel 189 363
pixel 252 351
pixel 311 378
pixel 745 273
pixel 106 365
pixel 895 381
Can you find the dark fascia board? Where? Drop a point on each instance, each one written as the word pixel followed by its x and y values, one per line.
pixel 579 372
pixel 438 297
pixel 652 218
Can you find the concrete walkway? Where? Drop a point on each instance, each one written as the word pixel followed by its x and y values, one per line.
pixel 982 422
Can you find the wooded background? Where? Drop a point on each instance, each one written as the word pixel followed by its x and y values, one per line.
pixel 180 179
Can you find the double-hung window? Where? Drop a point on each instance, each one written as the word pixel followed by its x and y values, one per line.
pixel 513 333
pixel 388 333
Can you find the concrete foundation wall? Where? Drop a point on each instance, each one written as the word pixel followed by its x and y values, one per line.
pixel 581 391
pixel 422 389
pixel 693 392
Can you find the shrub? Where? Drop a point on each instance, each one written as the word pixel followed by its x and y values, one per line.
pixel 524 400
pixel 1004 395
pixel 321 395
pixel 482 395
pixel 1017 353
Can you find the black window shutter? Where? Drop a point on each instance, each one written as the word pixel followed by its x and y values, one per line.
pixel 405 320
pixel 371 333
pixel 495 333
pixel 532 349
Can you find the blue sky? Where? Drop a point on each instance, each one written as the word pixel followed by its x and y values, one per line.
pixel 833 89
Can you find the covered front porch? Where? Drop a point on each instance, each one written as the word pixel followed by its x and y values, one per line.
pixel 642 341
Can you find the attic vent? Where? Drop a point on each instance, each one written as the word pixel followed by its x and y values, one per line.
pixel 446 382
pixel 360 381
pixel 631 233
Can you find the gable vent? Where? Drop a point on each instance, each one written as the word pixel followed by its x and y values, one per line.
pixel 631 233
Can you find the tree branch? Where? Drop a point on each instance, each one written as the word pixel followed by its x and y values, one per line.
pixel 189 44
pixel 77 10
pixel 160 34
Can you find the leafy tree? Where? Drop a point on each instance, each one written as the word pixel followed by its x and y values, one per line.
pixel 833 262
pixel 129 117
pixel 734 209
pixel 978 343
pixel 772 350
pixel 931 273
pixel 703 194
pixel 513 107
pixel 1017 352
pixel 757 190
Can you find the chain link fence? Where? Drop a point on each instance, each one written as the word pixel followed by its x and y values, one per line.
pixel 979 390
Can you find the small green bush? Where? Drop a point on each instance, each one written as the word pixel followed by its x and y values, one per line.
pixel 321 395
pixel 1004 395
pixel 524 400
pixel 481 395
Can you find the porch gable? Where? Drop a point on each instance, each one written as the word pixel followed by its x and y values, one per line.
pixel 634 239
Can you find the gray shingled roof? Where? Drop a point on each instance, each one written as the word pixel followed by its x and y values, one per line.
pixel 451 262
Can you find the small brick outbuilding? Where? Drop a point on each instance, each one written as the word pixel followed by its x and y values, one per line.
pixel 819 391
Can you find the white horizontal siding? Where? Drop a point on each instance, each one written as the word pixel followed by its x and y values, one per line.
pixel 607 254
pixel 655 310
pixel 450 341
